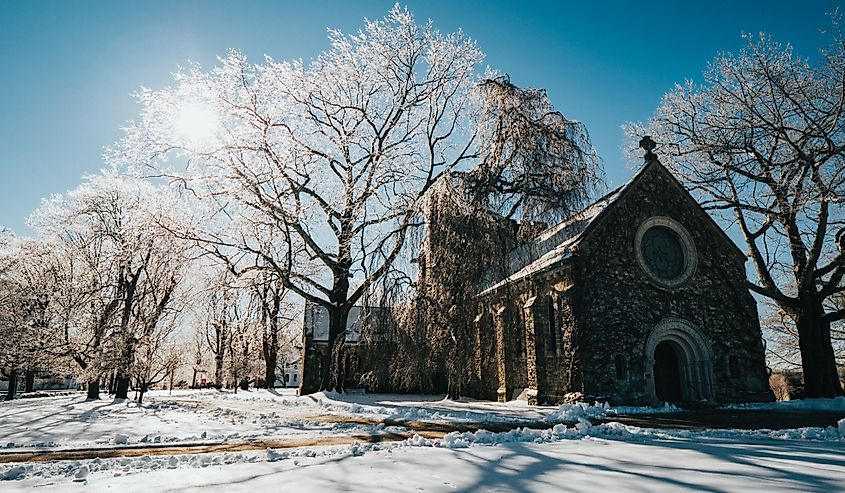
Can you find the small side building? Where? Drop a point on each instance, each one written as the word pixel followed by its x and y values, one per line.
pixel 359 357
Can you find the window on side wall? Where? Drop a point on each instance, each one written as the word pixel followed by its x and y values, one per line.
pixel 551 335
pixel 619 365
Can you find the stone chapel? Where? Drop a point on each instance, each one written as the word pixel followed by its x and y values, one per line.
pixel 639 298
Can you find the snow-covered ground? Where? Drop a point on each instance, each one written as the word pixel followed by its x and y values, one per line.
pixel 69 421
pixel 569 453
pixel 609 457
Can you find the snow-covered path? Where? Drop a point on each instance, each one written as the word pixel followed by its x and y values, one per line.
pixel 70 421
pixel 589 464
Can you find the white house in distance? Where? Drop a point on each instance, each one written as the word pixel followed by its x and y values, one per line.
pixel 44 381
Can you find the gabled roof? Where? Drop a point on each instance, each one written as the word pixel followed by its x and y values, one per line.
pixel 556 244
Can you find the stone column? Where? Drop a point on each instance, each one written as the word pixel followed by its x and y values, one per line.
pixel 534 357
pixel 478 346
pixel 501 353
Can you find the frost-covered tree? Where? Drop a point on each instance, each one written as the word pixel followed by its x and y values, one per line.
pixel 271 313
pixel 157 354
pixel 244 323
pixel 535 166
pixel 223 304
pixel 762 141
pixel 14 326
pixel 33 309
pixel 119 272
pixel 333 154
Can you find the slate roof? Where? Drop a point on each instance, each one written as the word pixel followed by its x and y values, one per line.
pixel 554 245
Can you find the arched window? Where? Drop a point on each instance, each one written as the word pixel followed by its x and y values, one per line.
pixel 619 364
pixel 551 335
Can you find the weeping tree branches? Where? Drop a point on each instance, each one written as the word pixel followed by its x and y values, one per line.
pixel 536 164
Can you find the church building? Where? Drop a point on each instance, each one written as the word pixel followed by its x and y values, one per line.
pixel 638 299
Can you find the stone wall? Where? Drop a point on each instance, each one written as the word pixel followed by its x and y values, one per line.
pixel 618 304
pixel 528 354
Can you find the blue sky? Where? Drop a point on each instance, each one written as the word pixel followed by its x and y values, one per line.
pixel 67 68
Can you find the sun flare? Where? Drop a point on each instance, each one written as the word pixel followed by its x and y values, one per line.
pixel 197 123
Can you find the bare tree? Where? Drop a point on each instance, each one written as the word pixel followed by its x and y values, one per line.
pixel 34 309
pixel 116 269
pixel 762 141
pixel 219 319
pixel 14 316
pixel 158 353
pixel 333 156
pixel 268 300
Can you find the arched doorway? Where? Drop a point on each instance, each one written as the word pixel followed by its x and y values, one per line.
pixel 678 363
pixel 667 373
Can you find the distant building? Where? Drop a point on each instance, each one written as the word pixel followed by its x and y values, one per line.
pixel 315 347
pixel 290 376
pixel 43 380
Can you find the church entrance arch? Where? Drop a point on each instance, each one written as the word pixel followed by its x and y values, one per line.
pixel 667 373
pixel 678 363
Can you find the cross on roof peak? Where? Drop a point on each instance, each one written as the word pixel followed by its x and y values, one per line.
pixel 648 144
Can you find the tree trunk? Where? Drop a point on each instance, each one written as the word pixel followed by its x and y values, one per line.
pixel 817 359
pixel 13 385
pixel 29 381
pixel 121 388
pixel 453 391
pixel 270 347
pixel 194 379
pixel 270 360
pixel 124 376
pixel 141 391
pixel 218 369
pixel 93 389
pixel 334 379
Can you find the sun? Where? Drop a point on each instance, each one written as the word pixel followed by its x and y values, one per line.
pixel 197 123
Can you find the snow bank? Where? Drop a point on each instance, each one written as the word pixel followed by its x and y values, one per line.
pixel 572 413
pixel 619 431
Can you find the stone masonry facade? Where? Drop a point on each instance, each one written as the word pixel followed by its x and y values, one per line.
pixel 588 322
